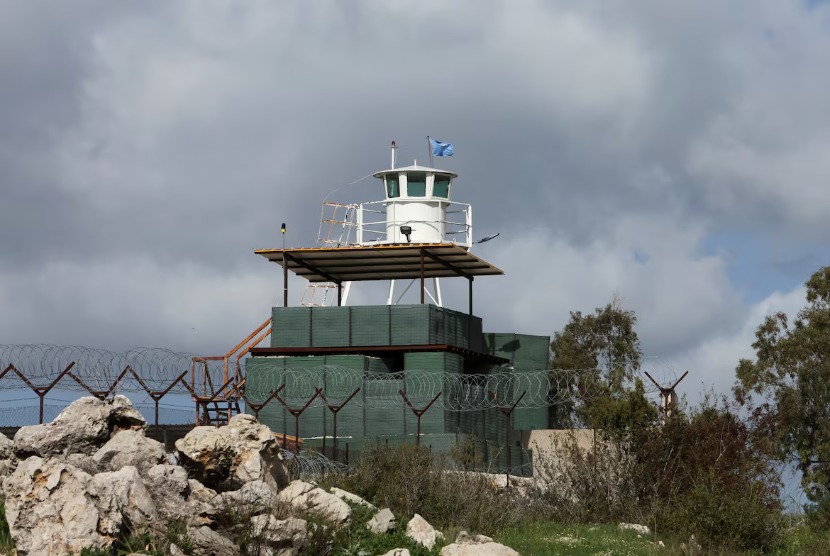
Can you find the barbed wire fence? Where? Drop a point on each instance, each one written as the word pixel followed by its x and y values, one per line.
pixel 42 368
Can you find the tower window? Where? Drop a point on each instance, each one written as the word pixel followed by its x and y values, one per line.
pixel 441 187
pixel 416 184
pixel 392 187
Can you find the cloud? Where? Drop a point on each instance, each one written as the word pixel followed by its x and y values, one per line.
pixel 145 150
pixel 711 363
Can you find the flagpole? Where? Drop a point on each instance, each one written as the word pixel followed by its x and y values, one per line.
pixel 429 149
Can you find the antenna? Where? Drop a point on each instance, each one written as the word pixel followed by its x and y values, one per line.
pixel 394 154
pixel 667 395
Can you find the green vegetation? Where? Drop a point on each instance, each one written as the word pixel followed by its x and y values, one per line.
pixel 6 541
pixel 357 539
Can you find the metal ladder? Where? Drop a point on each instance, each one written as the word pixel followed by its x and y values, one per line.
pixel 337 224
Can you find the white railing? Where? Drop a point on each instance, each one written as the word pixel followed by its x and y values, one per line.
pixel 372 224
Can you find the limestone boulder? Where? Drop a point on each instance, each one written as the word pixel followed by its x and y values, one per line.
pixel 464 537
pixel 55 508
pixel 169 488
pixel 478 549
pixel 118 495
pixel 254 497
pixel 82 428
pixel 175 495
pixel 8 461
pixel 381 522
pixel 308 498
pixel 226 458
pixel 210 543
pixel 349 497
pixel 422 532
pixel 279 537
pixel 637 528
pixel 50 510
pixel 398 552
pixel 129 447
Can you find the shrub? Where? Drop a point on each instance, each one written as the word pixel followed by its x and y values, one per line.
pixel 408 479
pixel 710 473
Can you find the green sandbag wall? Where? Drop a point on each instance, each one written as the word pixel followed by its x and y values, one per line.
pixel 437 419
pixel 376 325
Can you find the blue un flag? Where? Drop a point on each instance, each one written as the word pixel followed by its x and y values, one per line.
pixel 441 149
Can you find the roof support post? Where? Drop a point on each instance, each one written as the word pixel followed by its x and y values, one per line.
pixel 422 276
pixel 470 320
pixel 339 294
pixel 285 258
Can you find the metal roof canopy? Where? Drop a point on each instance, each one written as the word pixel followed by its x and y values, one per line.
pixel 381 262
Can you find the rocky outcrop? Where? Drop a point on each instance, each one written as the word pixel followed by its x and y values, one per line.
pixel 120 494
pixel 422 532
pixel 254 497
pixel 8 461
pixel 476 545
pixel 283 537
pixel 177 496
pixel 210 543
pixel 481 549
pixel 349 497
pixel 398 552
pixel 129 447
pixel 82 428
pixel 308 498
pixel 381 522
pixel 228 457
pixel 55 508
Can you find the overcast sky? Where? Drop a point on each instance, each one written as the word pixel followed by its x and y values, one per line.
pixel 675 153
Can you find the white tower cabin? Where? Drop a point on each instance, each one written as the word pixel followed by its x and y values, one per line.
pixel 417 209
pixel 415 233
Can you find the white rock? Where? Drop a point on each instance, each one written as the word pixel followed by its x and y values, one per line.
pixel 210 543
pixel 381 522
pixel 129 447
pixel 176 551
pixel 464 537
pixel 483 549
pixel 283 536
pixel 641 529
pixel 83 427
pixel 55 508
pixel 50 510
pixel 226 458
pixel 121 494
pixel 349 497
pixel 169 488
pixel 306 497
pixel 422 532
pixel 253 496
pixel 398 552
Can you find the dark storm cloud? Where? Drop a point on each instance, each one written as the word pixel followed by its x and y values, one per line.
pixel 145 151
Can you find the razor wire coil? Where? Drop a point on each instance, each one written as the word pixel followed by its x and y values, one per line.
pixel 160 370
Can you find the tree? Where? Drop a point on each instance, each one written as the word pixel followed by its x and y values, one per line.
pixel 791 380
pixel 598 355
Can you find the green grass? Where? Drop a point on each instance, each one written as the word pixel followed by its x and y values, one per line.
pixel 554 539
pixel 577 540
